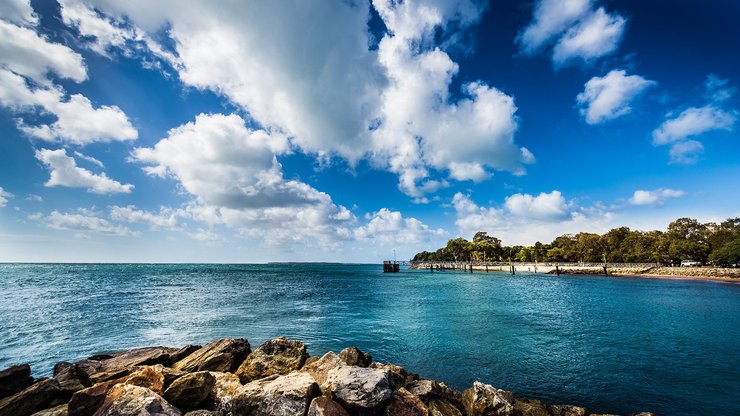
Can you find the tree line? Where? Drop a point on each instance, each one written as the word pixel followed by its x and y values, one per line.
pixel 685 239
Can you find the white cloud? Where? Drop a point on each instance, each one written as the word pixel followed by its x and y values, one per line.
pixel 18 12
pixel 34 198
pixel 4 196
pixel 655 197
pixel 609 97
pixel 65 172
pixel 26 53
pixel 104 33
pixel 332 95
pixel 579 30
pixel 386 227
pixel 234 176
pixel 90 159
pixel 545 206
pixel 83 221
pixel 685 152
pixel 692 122
pixel 717 89
pixel 525 219
pixel 166 218
pixel 77 121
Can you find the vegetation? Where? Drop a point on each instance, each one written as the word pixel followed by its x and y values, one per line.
pixel 685 239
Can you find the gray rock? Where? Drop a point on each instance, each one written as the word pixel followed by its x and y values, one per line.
pixel 399 376
pixel 324 406
pixel 276 356
pixel 486 400
pixel 566 410
pixel 60 410
pixel 353 356
pixel 225 387
pixel 223 355
pixel 130 400
pixel 31 399
pixel 286 395
pixel 87 401
pixel 360 388
pixel 443 408
pixel 71 378
pixel 189 391
pixel 319 368
pixel 14 379
pixel 120 364
pixel 403 403
pixel 204 413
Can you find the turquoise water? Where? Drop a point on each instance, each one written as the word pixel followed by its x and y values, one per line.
pixel 611 344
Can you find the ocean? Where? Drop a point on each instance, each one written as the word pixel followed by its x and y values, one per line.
pixel 614 345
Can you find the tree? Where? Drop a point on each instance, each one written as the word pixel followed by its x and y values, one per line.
pixel 727 256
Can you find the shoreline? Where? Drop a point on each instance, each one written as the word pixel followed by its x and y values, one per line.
pixel 226 377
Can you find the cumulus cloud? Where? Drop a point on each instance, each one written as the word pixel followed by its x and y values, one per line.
pixel 655 197
pixel 682 131
pixel 609 97
pixel 166 218
pixel 234 176
pixel 332 94
pixel 18 12
pixel 524 218
pixel 4 197
pixel 104 33
pixel 65 172
pixel 386 226
pixel 576 29
pixel 82 221
pixel 545 206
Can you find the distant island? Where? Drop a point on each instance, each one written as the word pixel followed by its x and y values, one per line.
pixel 686 240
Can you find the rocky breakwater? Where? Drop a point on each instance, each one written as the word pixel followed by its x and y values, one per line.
pixel 226 377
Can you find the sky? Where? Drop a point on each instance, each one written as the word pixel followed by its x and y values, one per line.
pixel 342 130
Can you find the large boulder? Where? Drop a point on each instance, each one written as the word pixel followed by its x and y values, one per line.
pixel 38 396
pixel 324 406
pixel 60 410
pixel 530 408
pixel 168 375
pixel 486 400
pixel 427 390
pixel 360 389
pixel 183 352
pixel 403 403
pixel 276 356
pixel 399 376
pixel 286 395
pixel 130 400
pixel 439 407
pixel 353 356
pixel 319 368
pixel 223 355
pixel 566 410
pixel 14 379
pixel 202 412
pixel 87 401
pixel 71 378
pixel 225 387
pixel 189 391
pixel 106 367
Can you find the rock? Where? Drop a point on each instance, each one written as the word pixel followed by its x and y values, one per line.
pixel 223 355
pixel 324 406
pixel 60 410
pixel 87 401
pixel 286 395
pixel 14 379
pixel 566 410
pixel 183 352
pixel 71 378
pixel 204 413
pixel 403 403
pixel 120 363
pixel 276 356
pixel 530 408
pixel 443 408
pixel 362 389
pixel 225 387
pixel 353 356
pixel 399 375
pixel 168 374
pixel 130 400
pixel 425 388
pixel 642 414
pixel 190 390
pixel 31 399
pixel 319 368
pixel 310 360
pixel 486 400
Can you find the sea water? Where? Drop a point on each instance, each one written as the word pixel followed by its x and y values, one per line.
pixel 611 344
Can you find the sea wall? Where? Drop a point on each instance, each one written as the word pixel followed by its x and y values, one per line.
pixel 227 377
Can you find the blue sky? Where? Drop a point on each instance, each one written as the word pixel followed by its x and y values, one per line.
pixel 342 130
